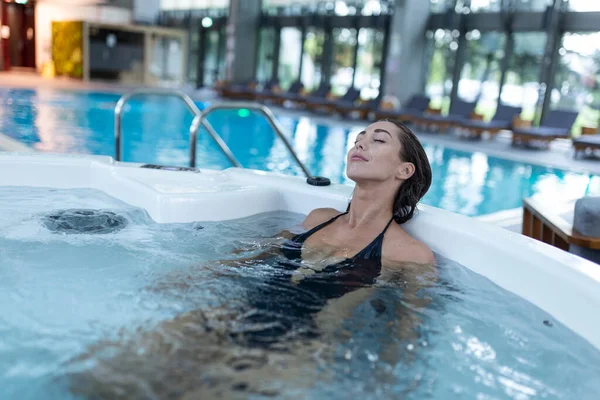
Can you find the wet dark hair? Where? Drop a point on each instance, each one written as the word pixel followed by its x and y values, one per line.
pixel 414 188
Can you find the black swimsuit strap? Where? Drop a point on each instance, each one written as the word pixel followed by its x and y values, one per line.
pixel 387 226
pixel 375 248
pixel 302 237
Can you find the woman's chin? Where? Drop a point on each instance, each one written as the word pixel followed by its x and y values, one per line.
pixel 356 177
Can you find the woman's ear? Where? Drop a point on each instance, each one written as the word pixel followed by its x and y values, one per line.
pixel 405 171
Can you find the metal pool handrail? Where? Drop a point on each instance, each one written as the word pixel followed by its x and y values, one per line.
pixel 198 119
pixel 264 110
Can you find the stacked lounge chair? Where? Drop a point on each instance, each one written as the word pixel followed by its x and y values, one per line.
pixel 415 106
pixel 242 91
pixel 502 120
pixel 293 92
pixel 363 109
pixel 322 92
pixel 586 144
pixel 332 105
pixel 460 111
pixel 557 124
pixel 270 89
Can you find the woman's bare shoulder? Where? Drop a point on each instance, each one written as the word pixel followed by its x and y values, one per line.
pixel 400 247
pixel 318 216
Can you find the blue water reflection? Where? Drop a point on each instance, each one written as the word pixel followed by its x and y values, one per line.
pixel 155 130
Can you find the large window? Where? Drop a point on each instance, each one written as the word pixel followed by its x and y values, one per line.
pixel 440 6
pixel 312 63
pixel 522 80
pixel 486 5
pixel 337 7
pixel 584 5
pixel 193 4
pixel 290 50
pixel 194 52
pixel 481 73
pixel 576 83
pixel 368 64
pixel 532 5
pixel 443 45
pixel 213 54
pixel 266 51
pixel 344 42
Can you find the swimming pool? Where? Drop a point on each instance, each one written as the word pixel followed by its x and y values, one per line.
pixel 155 130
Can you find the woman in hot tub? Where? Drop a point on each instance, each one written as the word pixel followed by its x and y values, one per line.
pixel 322 275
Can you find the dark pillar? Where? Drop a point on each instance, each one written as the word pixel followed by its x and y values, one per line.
pixel 552 21
pixel 404 60
pixel 242 40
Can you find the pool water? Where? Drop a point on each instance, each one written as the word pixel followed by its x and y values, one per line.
pixel 155 130
pixel 82 310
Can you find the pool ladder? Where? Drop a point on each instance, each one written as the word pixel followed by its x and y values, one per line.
pixel 200 120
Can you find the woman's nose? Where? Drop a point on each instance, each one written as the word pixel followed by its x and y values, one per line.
pixel 360 145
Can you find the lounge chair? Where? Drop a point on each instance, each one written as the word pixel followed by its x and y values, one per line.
pixel 586 143
pixel 331 105
pixel 268 91
pixel 244 91
pixel 363 109
pixel 556 125
pixel 293 92
pixel 502 120
pixel 415 106
pixel 321 93
pixel 460 111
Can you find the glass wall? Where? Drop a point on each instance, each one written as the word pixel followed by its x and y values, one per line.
pixel 486 5
pixel 540 61
pixel 440 6
pixel 194 51
pixel 576 82
pixel 344 43
pixel 332 7
pixel 312 63
pixel 290 50
pixel 368 64
pixel 584 5
pixel 443 46
pixel 266 50
pixel 531 5
pixel 213 55
pixel 341 55
pixel 522 84
pixel 166 61
pixel 193 4
pixel 481 73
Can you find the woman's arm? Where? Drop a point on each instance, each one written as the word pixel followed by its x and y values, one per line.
pixel 333 315
pixel 413 279
pixel 183 280
pixel 410 276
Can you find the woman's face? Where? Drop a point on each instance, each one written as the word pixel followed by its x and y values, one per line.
pixel 376 155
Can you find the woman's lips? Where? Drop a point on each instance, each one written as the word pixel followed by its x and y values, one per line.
pixel 357 157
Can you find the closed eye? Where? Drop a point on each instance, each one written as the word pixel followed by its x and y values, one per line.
pixel 380 141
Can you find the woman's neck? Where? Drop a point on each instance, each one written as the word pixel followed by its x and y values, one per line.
pixel 371 204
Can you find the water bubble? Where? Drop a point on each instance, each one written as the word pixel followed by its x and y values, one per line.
pixel 372 357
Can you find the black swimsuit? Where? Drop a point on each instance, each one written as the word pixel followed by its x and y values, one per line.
pixel 282 307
